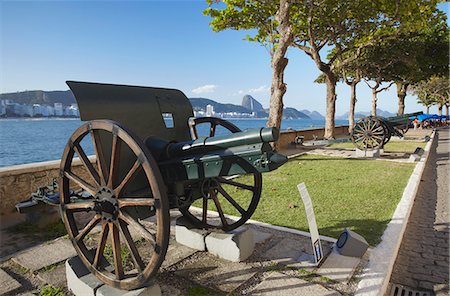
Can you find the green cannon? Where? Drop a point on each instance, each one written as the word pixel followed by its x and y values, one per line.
pixel 374 132
pixel 150 157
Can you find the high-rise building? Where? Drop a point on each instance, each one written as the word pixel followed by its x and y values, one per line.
pixel 59 111
pixel 209 110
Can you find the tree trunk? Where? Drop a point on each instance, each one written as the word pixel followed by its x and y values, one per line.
pixel 428 109
pixel 401 94
pixel 446 109
pixel 279 63
pixel 330 80
pixel 440 110
pixel 374 102
pixel 351 112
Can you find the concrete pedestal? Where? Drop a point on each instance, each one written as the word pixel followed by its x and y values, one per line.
pixel 375 153
pixel 236 245
pixel 186 234
pixel 81 282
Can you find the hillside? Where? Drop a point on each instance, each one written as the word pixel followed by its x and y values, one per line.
pixel 67 98
pixel 40 97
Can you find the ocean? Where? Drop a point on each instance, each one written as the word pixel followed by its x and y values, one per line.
pixel 33 140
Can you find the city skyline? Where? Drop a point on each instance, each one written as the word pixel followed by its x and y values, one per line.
pixel 155 43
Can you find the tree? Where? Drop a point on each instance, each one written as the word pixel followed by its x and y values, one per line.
pixel 271 21
pixel 347 27
pixel 434 91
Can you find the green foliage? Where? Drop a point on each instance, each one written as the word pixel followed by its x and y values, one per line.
pixel 127 261
pixel 435 90
pixel 48 232
pixel 49 290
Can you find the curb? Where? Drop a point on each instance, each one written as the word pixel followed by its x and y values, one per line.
pixel 267 225
pixel 376 275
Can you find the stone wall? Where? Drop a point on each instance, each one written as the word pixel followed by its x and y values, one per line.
pixel 19 181
pixel 287 137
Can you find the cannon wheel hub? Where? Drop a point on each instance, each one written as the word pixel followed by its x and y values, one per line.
pixel 106 204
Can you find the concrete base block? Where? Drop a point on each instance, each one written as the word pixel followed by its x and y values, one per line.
pixel 414 158
pixel 186 234
pixel 236 245
pixel 338 267
pixel 368 153
pixel 9 284
pixel 79 280
pixel 106 290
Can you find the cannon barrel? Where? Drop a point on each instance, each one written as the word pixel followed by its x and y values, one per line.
pixel 163 150
pixel 247 137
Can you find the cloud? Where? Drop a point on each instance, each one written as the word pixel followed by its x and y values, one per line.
pixel 261 89
pixel 208 88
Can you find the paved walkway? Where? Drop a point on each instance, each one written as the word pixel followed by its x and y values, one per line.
pixel 423 259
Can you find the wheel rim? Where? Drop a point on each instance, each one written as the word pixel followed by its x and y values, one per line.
pixel 110 206
pixel 368 133
pixel 216 190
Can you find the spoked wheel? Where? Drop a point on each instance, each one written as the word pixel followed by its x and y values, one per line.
pixel 103 225
pixel 387 132
pixel 218 192
pixel 368 133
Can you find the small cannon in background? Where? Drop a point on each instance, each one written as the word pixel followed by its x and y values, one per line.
pixel 374 132
pixel 150 158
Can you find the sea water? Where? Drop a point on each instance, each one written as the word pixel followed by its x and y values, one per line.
pixel 32 140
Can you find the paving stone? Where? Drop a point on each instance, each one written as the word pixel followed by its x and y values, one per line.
pixel 55 277
pixel 287 252
pixel 79 280
pixel 187 234
pixel 278 284
pixel 175 253
pixel 338 267
pixel 223 275
pixel 236 245
pixel 8 283
pixel 106 290
pixel 45 254
pixel 260 236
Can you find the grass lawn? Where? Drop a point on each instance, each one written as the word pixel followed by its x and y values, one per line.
pixel 392 146
pixel 354 193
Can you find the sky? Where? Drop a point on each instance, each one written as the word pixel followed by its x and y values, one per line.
pixel 154 43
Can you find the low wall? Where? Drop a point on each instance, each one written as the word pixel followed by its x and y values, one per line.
pixel 287 137
pixel 19 181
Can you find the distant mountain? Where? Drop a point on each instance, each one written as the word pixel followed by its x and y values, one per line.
pixel 294 114
pixel 66 98
pixel 40 97
pixel 359 115
pixel 201 103
pixel 251 104
pixel 313 114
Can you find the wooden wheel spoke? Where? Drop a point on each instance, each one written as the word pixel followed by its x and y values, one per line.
pixel 101 162
pixel 128 202
pixel 83 184
pixel 205 209
pixel 115 241
pixel 212 130
pixel 132 246
pixel 114 163
pixel 81 235
pixel 236 184
pixel 231 200
pixel 87 163
pixel 219 208
pixel 138 227
pixel 129 176
pixel 101 245
pixel 84 206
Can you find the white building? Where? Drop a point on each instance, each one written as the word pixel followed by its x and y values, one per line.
pixel 59 111
pixel 209 110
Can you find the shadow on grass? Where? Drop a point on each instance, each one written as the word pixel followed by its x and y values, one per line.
pixel 370 229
